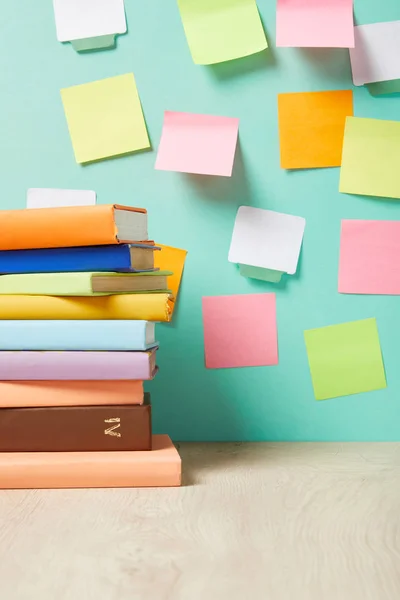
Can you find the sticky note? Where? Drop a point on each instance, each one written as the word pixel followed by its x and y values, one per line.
pixel 201 144
pixel 266 239
pixel 51 198
pixel 311 128
pixel 220 30
pixel 371 158
pixel 315 23
pixel 369 257
pixel 105 118
pixel 171 259
pixel 240 331
pixel 261 274
pixel 375 56
pixel 345 359
pixel 95 43
pixel 80 19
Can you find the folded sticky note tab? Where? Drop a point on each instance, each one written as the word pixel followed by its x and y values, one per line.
pixel 80 19
pixel 345 359
pixel 261 274
pixel 266 239
pixel 382 88
pixel 315 23
pixel 375 56
pixel 50 198
pixel 371 158
pixel 105 118
pixel 171 259
pixel 201 144
pixel 220 30
pixel 369 257
pixel 311 128
pixel 94 43
pixel 240 331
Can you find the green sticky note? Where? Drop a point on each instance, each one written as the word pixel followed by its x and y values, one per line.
pixel 220 30
pixel 371 158
pixel 260 273
pixel 384 87
pixel 95 43
pixel 345 359
pixel 105 118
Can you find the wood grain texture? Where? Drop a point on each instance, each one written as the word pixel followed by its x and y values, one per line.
pixel 258 521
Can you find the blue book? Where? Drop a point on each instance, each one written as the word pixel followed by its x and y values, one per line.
pixel 105 335
pixel 128 258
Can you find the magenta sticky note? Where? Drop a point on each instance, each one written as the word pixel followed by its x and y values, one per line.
pixel 369 260
pixel 240 331
pixel 201 144
pixel 315 23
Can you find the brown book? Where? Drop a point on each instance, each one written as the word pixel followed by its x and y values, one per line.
pixel 76 428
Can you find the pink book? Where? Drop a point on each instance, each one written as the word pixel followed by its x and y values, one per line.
pixel 77 366
pixel 159 467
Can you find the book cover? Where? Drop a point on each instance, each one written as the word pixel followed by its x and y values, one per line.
pixel 72 284
pixel 36 366
pixel 82 335
pixel 75 428
pixel 159 467
pixel 116 257
pixel 70 393
pixel 63 226
pixel 146 307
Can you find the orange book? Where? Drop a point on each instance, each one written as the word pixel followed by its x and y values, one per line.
pixel 159 467
pixel 70 226
pixel 69 393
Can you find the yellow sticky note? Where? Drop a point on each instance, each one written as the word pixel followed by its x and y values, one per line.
pixel 171 259
pixel 220 30
pixel 105 118
pixel 371 158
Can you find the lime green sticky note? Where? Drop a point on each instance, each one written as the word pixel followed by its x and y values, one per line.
pixel 105 118
pixel 260 273
pixel 345 359
pixel 220 30
pixel 381 88
pixel 371 158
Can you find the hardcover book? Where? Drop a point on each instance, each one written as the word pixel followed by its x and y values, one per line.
pixel 75 428
pixel 75 366
pixel 159 467
pixel 72 226
pixel 81 335
pixel 70 393
pixel 118 257
pixel 146 307
pixel 84 284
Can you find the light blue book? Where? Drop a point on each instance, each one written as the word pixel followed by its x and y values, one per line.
pixel 105 335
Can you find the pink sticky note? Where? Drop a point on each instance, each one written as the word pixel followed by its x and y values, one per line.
pixel 369 257
pixel 315 23
pixel 240 331
pixel 200 144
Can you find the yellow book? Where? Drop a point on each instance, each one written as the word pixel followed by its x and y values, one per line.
pixel 146 307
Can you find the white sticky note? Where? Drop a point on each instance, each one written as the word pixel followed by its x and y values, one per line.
pixel 376 52
pixel 267 239
pixel 81 19
pixel 52 198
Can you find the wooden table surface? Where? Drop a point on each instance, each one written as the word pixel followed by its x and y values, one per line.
pixel 259 521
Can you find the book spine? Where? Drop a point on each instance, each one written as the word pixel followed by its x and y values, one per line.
pixel 35 366
pixel 47 284
pixel 43 470
pixel 84 335
pixel 75 429
pixel 15 394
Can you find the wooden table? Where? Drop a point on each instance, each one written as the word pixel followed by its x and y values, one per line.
pixel 259 521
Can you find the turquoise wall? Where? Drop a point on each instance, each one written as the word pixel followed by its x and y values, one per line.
pixel 197 213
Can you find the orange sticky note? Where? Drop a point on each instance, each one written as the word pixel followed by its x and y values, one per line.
pixel 171 259
pixel 311 128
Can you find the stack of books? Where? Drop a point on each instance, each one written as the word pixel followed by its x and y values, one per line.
pixel 79 298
